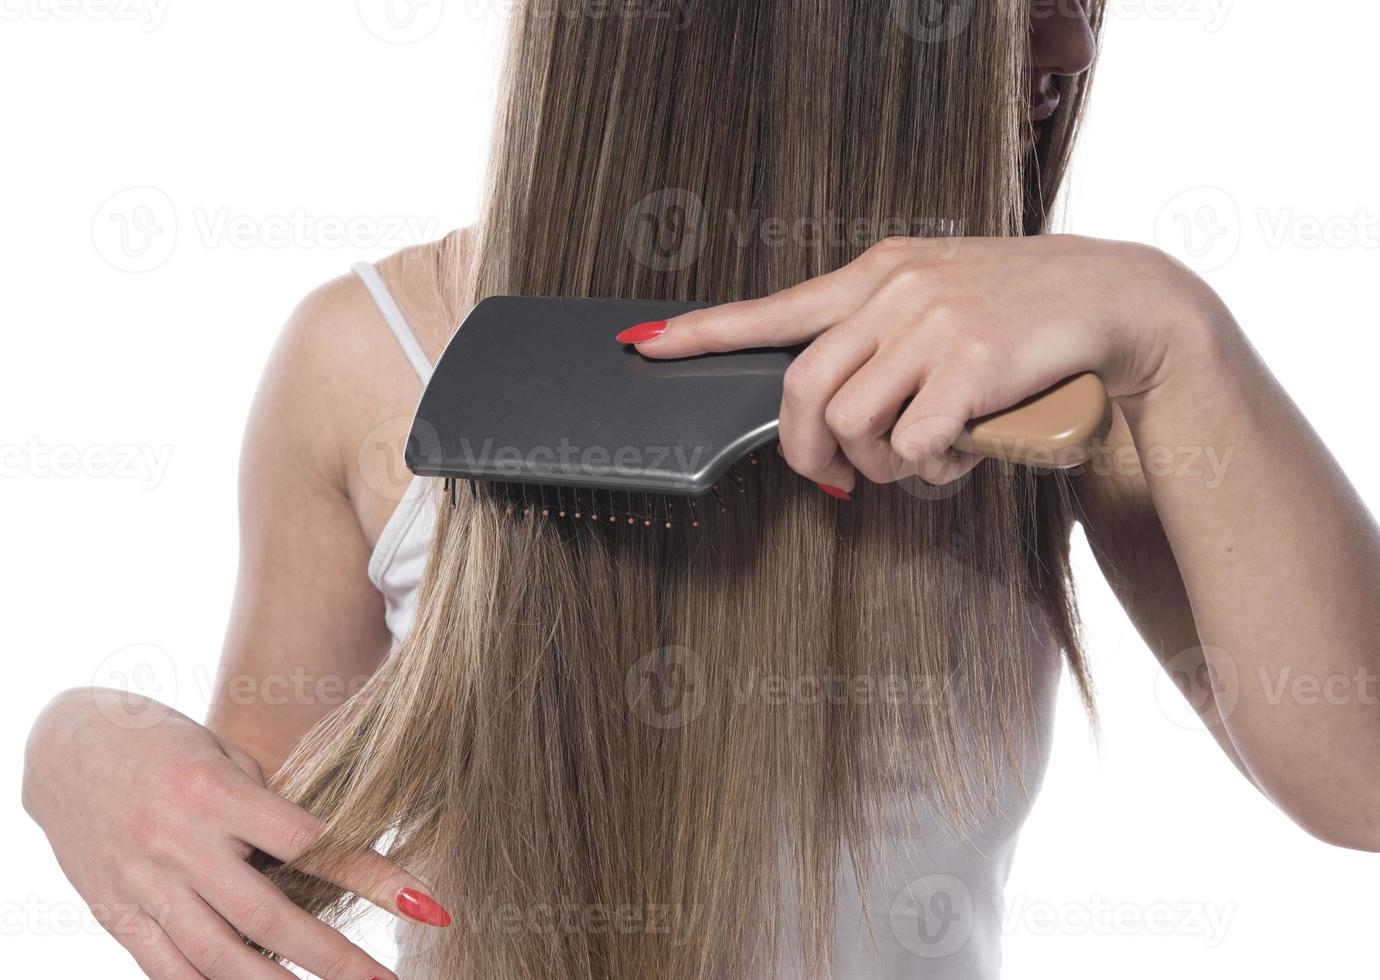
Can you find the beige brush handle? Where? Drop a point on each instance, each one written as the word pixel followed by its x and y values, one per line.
pixel 1056 429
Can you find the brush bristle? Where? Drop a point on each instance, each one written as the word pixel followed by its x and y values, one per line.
pixel 666 510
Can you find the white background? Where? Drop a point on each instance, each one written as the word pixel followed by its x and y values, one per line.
pixel 1229 133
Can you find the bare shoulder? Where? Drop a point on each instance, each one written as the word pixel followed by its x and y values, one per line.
pixel 340 323
pixel 427 282
pixel 338 393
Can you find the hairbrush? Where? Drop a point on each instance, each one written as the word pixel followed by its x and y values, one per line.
pixel 534 399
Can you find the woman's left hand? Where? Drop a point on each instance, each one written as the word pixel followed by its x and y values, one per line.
pixel 918 337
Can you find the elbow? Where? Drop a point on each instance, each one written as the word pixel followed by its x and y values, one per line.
pixel 1358 829
pixel 1339 806
pixel 1352 839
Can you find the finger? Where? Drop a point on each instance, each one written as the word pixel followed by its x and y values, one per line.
pixel 944 468
pixel 152 949
pixel 838 479
pixel 808 445
pixel 792 316
pixel 262 913
pixel 861 415
pixel 213 948
pixel 243 760
pixel 924 435
pixel 286 832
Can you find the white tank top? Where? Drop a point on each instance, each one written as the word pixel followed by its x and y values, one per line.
pixel 936 902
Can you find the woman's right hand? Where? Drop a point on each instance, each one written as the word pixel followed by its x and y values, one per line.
pixel 153 819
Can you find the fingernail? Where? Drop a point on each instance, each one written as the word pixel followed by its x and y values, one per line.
pixel 423 908
pixel 835 491
pixel 642 333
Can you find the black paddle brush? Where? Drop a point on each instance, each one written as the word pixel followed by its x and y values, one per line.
pixel 535 398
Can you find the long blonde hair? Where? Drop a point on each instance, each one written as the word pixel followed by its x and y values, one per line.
pixel 683 727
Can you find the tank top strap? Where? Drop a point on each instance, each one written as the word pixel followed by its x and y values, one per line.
pixel 393 316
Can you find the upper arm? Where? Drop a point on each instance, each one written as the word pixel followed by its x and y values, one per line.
pixel 1127 539
pixel 307 625
pixel 1129 543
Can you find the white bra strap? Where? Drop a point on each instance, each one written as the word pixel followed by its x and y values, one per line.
pixel 393 315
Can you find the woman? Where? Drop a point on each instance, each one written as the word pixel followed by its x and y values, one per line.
pixel 508 741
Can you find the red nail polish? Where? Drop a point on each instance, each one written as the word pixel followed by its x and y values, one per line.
pixel 642 333
pixel 835 491
pixel 423 908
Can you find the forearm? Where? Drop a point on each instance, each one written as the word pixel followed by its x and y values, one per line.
pixel 266 734
pixel 266 712
pixel 1281 563
pixel 279 677
pixel 1129 544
